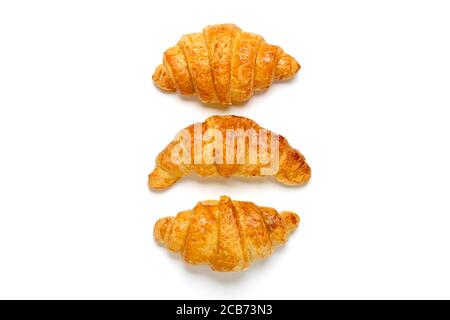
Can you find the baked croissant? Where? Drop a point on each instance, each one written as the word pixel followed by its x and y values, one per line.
pixel 227 235
pixel 223 65
pixel 207 150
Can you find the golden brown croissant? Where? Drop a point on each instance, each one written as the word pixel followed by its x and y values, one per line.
pixel 225 146
pixel 227 235
pixel 223 65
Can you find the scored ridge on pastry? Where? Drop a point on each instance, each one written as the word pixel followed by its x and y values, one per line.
pixel 223 65
pixel 226 235
pixel 239 156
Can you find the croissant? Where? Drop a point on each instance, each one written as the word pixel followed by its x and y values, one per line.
pixel 223 65
pixel 225 146
pixel 227 235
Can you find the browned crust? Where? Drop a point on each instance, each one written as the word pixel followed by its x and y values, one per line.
pixel 292 169
pixel 223 65
pixel 226 235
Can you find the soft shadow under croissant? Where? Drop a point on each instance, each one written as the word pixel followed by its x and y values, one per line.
pixel 226 235
pixel 223 65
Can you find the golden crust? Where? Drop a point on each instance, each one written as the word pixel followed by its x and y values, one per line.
pixel 246 46
pixel 266 64
pixel 197 57
pixel 176 66
pixel 219 40
pixel 292 166
pixel 223 65
pixel 226 235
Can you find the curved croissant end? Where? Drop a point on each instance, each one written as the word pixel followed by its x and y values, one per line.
pixel 223 65
pixel 291 219
pixel 287 67
pixel 226 235
pixel 293 169
pixel 162 228
pixel 162 79
pixel 161 179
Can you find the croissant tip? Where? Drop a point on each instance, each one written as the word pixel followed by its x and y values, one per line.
pixel 296 66
pixel 154 183
pixel 160 229
pixel 162 79
pixel 291 219
pixel 287 67
pixel 306 173
pixel 160 179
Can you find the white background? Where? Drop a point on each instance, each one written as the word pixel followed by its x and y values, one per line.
pixel 81 124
